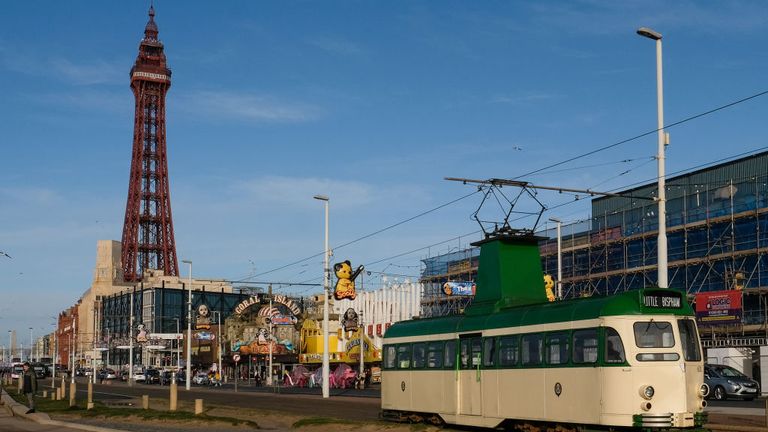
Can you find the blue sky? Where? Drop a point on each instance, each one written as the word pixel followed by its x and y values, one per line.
pixel 371 103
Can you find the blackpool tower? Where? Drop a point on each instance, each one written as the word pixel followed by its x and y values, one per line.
pixel 148 229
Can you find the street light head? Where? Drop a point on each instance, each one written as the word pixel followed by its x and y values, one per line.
pixel 321 197
pixel 650 34
pixel 555 220
pixel 186 261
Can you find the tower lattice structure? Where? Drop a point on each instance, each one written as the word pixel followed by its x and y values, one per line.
pixel 148 241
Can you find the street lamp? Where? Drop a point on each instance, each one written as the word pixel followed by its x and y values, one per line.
pixel 177 344
pixel 189 325
pixel 326 288
pixel 31 343
pixel 218 344
pixel 662 198
pixel 559 259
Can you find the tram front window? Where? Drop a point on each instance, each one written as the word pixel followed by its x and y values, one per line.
pixel 654 334
pixel 614 348
pixel 689 339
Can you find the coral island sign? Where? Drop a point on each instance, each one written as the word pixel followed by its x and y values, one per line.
pixel 245 304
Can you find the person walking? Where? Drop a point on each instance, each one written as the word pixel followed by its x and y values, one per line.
pixel 30 386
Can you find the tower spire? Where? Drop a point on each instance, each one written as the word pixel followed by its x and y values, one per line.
pixel 148 241
pixel 150 31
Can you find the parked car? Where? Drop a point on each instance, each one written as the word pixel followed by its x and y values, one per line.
pixel 139 377
pixel 201 379
pixel 726 382
pixel 107 374
pixel 152 376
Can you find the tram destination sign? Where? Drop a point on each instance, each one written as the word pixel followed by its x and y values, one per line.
pixel 663 300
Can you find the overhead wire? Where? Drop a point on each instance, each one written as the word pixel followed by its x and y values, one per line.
pixel 571 159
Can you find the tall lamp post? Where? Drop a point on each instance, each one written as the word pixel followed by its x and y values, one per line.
pixel 559 259
pixel 31 345
pixel 189 325
pixel 220 369
pixel 326 288
pixel 177 344
pixel 662 199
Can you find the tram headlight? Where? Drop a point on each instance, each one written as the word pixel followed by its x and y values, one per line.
pixel 647 392
pixel 704 390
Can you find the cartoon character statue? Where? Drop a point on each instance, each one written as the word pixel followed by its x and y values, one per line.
pixel 549 283
pixel 141 337
pixel 345 282
pixel 350 320
pixel 203 317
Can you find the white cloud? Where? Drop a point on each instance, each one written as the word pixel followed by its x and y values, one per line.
pixel 91 72
pixel 249 107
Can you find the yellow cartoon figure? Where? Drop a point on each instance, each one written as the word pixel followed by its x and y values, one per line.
pixel 345 283
pixel 549 283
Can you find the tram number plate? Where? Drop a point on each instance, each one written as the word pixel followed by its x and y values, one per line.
pixel 665 301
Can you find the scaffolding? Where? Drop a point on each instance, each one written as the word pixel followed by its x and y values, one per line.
pixel 457 266
pixel 717 231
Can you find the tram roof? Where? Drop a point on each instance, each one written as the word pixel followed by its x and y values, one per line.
pixel 633 302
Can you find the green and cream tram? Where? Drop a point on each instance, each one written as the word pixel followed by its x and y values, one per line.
pixel 631 360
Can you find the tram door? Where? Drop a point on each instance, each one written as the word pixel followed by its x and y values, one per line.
pixel 470 393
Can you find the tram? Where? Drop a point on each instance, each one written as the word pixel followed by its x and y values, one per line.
pixel 629 361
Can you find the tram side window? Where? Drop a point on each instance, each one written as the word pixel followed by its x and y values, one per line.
pixel 471 352
pixel 419 355
pixel 435 355
pixel 390 357
pixel 508 351
pixel 557 348
pixel 450 354
pixel 585 346
pixel 614 348
pixel 532 347
pixel 404 356
pixel 654 334
pixel 689 339
pixel 489 352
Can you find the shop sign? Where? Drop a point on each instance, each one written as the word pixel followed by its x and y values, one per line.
pixel 280 319
pixel 245 304
pixel 719 307
pixel 459 288
pixel 355 343
pixel 290 304
pixel 166 336
pixel 204 336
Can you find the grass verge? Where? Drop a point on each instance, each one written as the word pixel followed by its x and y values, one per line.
pixel 101 411
pixel 315 421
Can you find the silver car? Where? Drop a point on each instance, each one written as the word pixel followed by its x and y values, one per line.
pixel 726 382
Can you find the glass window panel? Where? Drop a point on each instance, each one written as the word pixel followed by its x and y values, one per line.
pixel 654 334
pixel 531 349
pixel 614 347
pixel 585 346
pixel 508 351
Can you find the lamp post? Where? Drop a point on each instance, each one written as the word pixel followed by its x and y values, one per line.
pixel 189 325
pixel 326 288
pixel 559 259
pixel 662 199
pixel 31 344
pixel 218 344
pixel 177 344
pixel 130 341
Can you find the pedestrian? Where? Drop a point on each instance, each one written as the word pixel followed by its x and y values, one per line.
pixel 30 386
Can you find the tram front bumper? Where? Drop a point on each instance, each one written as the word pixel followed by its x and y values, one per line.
pixel 668 420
